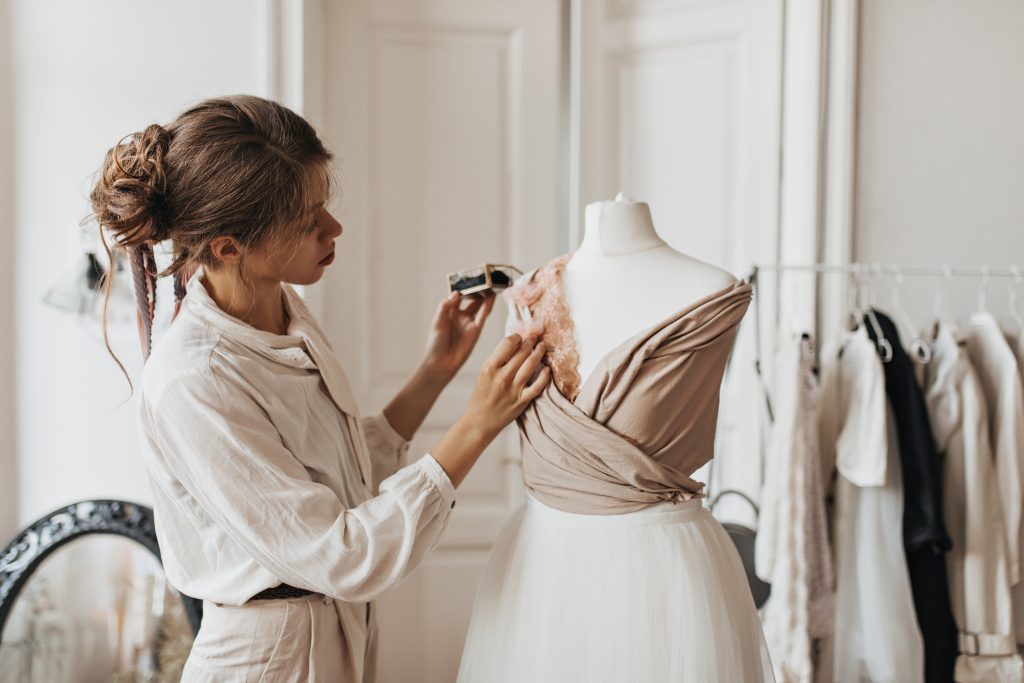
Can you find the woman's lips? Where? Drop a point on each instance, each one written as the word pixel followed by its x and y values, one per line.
pixel 327 260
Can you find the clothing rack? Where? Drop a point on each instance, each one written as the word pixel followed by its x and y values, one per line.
pixel 864 279
pixel 863 270
pixel 879 270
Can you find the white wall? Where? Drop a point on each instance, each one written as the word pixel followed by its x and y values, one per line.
pixel 940 149
pixel 86 74
pixel 8 454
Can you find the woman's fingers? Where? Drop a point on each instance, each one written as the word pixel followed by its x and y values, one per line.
pixel 484 310
pixel 525 370
pixel 505 349
pixel 473 303
pixel 534 390
pixel 444 309
pixel 517 359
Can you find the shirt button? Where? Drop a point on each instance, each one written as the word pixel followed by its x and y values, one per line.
pixel 453 503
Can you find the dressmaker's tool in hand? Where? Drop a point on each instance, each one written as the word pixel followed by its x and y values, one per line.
pixel 479 279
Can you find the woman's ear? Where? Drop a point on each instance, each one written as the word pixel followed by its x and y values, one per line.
pixel 226 249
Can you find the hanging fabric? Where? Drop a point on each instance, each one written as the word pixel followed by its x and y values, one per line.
pixel 792 548
pixel 879 638
pixel 997 369
pixel 979 566
pixel 925 540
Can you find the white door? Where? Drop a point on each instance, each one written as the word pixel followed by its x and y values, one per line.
pixel 677 103
pixel 444 116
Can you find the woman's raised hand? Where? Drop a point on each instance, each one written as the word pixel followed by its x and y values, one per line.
pixel 454 333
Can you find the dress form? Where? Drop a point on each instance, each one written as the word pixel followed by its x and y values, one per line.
pixel 624 278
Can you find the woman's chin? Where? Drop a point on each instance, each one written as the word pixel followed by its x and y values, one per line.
pixel 307 278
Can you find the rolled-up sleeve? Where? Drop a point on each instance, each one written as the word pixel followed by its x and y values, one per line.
pixel 387 447
pixel 227 454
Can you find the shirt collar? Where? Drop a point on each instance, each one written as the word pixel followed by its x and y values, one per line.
pixel 199 302
pixel 304 346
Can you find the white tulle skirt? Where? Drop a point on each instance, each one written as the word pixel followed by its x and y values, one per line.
pixel 650 596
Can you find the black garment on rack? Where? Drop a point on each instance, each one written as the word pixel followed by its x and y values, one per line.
pixel 925 540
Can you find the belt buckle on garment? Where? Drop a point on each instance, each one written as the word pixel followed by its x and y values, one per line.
pixel 969 644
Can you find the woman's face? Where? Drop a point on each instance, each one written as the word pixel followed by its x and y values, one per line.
pixel 301 261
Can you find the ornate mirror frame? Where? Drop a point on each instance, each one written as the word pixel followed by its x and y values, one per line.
pixel 32 545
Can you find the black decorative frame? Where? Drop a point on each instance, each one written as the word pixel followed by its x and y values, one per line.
pixel 29 548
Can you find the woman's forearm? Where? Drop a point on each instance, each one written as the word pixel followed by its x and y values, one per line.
pixel 461 446
pixel 410 406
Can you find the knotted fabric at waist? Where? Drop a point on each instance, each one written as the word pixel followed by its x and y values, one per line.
pixel 653 515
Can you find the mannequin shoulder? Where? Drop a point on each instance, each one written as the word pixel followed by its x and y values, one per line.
pixel 699 272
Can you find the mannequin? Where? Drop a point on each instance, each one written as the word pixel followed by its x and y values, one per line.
pixel 613 540
pixel 624 279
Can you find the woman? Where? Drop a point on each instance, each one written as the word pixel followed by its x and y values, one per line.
pixel 275 503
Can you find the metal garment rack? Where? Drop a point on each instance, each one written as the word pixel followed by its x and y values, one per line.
pixel 862 271
pixel 881 270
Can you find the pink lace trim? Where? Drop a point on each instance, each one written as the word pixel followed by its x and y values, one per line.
pixel 544 296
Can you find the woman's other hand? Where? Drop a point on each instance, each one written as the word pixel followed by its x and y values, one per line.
pixel 454 333
pixel 503 391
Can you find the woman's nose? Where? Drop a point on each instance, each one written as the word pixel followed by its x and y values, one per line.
pixel 333 227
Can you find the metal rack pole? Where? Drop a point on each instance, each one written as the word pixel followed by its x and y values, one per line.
pixel 879 269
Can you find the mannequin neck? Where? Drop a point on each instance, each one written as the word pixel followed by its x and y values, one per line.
pixel 618 228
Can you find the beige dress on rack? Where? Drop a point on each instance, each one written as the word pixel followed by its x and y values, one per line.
pixel 613 570
pixel 997 369
pixel 979 562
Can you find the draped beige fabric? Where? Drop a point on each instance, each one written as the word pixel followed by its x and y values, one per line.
pixel 643 421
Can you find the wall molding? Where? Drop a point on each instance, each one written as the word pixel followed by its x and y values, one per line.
pixel 804 47
pixel 8 384
pixel 840 167
pixel 293 74
pixel 505 43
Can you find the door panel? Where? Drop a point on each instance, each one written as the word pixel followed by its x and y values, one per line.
pixel 444 117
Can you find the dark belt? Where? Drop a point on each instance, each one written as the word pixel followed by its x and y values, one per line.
pixel 281 592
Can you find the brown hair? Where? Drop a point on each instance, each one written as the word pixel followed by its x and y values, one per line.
pixel 239 166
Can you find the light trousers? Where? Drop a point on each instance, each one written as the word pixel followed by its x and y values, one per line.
pixel 311 638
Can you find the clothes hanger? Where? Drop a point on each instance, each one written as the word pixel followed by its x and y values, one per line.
pixel 983 290
pixel 855 316
pixel 920 349
pixel 939 308
pixel 1015 312
pixel 884 347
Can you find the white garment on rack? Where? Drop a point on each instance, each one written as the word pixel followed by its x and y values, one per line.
pixel 792 551
pixel 878 639
pixel 861 453
pixel 1000 378
pixel 1016 342
pixel 978 562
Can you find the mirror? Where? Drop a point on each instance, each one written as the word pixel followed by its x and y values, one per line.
pixel 83 597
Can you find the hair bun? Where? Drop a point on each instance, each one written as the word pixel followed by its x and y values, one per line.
pixel 129 196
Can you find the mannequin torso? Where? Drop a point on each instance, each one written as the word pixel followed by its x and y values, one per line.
pixel 624 279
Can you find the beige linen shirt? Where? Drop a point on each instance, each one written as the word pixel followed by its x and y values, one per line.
pixel 996 366
pixel 979 574
pixel 263 472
